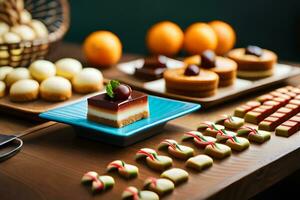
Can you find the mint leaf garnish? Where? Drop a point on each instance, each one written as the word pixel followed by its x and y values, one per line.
pixel 114 83
pixel 110 88
pixel 109 91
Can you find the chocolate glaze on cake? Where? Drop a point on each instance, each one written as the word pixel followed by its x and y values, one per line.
pixel 105 102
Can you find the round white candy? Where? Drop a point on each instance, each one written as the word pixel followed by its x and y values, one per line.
pixel 68 67
pixel 24 31
pixel 39 28
pixel 56 88
pixel 56 84
pixel 17 74
pixel 4 71
pixel 88 80
pixel 11 38
pixel 25 17
pixel 4 28
pixel 42 69
pixel 24 86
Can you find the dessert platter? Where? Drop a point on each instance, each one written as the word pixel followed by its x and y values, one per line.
pixel 228 79
pixel 223 73
pixel 120 116
pixel 46 85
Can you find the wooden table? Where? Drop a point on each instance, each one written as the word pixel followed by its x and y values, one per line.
pixel 53 159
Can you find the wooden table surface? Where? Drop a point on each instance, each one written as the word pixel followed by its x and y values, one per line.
pixel 53 159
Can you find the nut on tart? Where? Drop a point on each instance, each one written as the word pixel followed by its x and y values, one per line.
pixel 253 62
pixel 191 82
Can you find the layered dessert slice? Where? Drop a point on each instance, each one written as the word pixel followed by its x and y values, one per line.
pixel 119 106
pixel 152 69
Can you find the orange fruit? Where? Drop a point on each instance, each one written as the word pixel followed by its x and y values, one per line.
pixel 164 38
pixel 226 36
pixel 102 48
pixel 199 37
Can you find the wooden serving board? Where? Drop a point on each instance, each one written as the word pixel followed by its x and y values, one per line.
pixel 241 86
pixel 33 108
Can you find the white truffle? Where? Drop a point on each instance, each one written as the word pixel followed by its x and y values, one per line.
pixel 17 74
pixel 4 71
pixel 4 28
pixel 68 67
pixel 11 38
pixel 24 31
pixel 25 17
pixel 56 89
pixel 39 28
pixel 24 90
pixel 42 69
pixel 88 80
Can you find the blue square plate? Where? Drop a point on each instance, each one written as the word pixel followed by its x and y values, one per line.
pixel 162 110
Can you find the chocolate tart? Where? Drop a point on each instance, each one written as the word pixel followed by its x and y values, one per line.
pixel 202 85
pixel 224 67
pixel 253 66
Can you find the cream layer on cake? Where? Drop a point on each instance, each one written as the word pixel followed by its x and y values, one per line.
pixel 119 115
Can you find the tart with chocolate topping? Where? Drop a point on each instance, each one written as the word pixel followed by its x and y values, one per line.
pixel 191 81
pixel 253 62
pixel 224 67
pixel 119 106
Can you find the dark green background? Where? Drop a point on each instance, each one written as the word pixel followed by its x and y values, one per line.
pixel 271 24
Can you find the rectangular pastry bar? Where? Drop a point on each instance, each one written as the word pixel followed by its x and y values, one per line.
pixel 289 127
pixel 281 115
pixel 118 113
pixel 243 109
pixel 287 92
pixel 267 108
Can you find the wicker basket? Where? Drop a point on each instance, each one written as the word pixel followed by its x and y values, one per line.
pixel 55 15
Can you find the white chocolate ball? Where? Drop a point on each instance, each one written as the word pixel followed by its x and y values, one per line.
pixel 17 74
pixel 4 71
pixel 39 28
pixel 4 28
pixel 56 88
pixel 88 80
pixel 24 90
pixel 68 67
pixel 2 89
pixel 11 38
pixel 25 17
pixel 24 31
pixel 42 69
